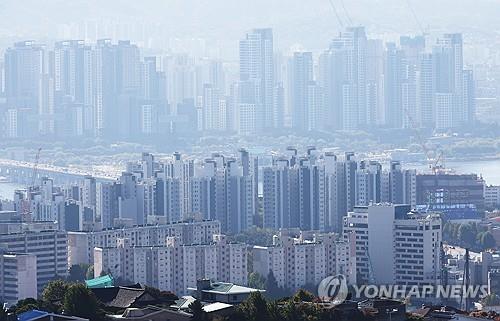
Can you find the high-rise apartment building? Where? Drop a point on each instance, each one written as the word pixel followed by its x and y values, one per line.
pixel 301 76
pixel 81 244
pixel 174 266
pixel 300 262
pixel 314 192
pixel 257 65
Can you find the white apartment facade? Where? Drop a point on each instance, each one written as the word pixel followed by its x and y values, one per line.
pixel 492 196
pixel 355 227
pixel 395 245
pixel 297 262
pixel 50 249
pixel 18 277
pixel 174 266
pixel 81 244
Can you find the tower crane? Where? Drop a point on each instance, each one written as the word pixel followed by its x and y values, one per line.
pixel 435 159
pixel 417 20
pixel 26 205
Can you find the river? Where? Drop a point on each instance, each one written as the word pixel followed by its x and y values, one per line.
pixel 489 169
pixel 7 190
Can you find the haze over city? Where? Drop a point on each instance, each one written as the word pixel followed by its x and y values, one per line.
pixel 249 160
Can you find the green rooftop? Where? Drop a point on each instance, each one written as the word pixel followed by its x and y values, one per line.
pixel 100 282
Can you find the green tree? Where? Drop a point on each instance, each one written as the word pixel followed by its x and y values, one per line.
pixel 255 236
pixel 448 231
pixel 90 273
pixel 272 289
pixel 257 281
pixel 466 234
pixel 274 311
pixel 488 241
pixel 303 296
pixel 54 291
pixel 255 308
pixel 77 272
pixel 198 313
pixel 81 302
pixel 25 305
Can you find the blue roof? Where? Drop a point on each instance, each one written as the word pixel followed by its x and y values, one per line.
pixel 30 315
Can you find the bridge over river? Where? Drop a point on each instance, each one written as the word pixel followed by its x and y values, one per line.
pixel 22 173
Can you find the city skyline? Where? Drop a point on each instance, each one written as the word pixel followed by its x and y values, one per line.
pixel 110 90
pixel 243 160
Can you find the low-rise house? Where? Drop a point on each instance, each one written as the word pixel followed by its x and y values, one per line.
pixel 119 298
pixel 208 291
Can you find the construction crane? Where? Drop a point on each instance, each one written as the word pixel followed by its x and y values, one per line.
pixel 335 11
pixel 434 158
pixel 26 204
pixel 417 20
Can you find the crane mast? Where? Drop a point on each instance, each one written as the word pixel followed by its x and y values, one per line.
pixel 26 204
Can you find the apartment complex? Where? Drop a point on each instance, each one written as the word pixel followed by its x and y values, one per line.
pixel 174 266
pixel 315 191
pixel 81 244
pixel 303 261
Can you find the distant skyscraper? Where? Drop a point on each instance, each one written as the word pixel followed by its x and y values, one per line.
pixel 118 78
pixel 448 68
pixel 426 89
pixel 257 64
pixel 343 74
pixel 24 68
pixel 301 75
pixel 73 71
pixel 26 86
pixel 394 69
pixel 400 89
pixel 375 83
pixel 247 107
pixel 279 106
pixel 413 48
pixel 469 98
pixel 214 109
pixel 315 107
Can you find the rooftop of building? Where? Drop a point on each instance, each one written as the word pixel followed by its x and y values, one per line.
pixel 224 288
pixel 44 315
pixel 184 222
pixel 149 311
pixel 124 297
pixel 29 232
pixel 100 282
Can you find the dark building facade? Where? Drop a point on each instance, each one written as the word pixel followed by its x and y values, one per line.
pixel 445 191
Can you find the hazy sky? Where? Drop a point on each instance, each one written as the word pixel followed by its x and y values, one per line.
pixel 308 22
